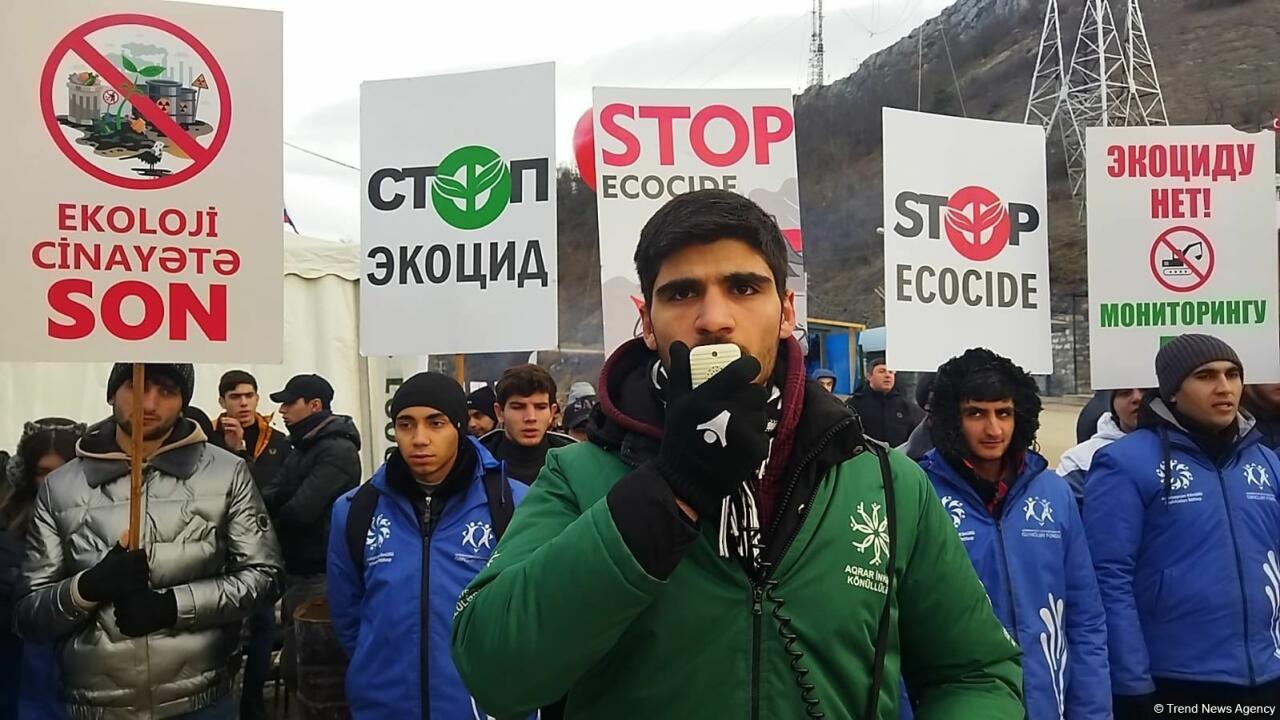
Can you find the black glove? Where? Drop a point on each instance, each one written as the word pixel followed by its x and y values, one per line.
pixel 714 436
pixel 121 572
pixel 146 612
pixel 1133 707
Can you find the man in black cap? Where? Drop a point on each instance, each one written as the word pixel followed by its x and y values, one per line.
pixel 1183 522
pixel 208 558
pixel 481 415
pixel 576 415
pixel 886 415
pixel 443 495
pixel 325 463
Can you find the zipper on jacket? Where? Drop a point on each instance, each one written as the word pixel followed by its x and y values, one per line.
pixel 757 615
pixel 1008 576
pixel 428 521
pixel 757 584
pixel 1244 595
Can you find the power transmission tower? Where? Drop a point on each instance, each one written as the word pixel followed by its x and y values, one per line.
pixel 817 75
pixel 1048 81
pixel 1097 88
pixel 1146 102
pixel 1109 82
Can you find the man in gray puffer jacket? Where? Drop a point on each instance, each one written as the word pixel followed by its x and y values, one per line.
pixel 151 633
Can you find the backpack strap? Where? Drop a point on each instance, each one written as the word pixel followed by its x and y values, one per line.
pixel 882 634
pixel 359 516
pixel 502 504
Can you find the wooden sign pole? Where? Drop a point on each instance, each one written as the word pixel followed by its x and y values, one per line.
pixel 460 370
pixel 135 458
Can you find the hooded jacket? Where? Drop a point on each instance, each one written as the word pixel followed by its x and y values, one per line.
pixel 403 598
pixel 324 464
pixel 919 443
pixel 1034 562
pixel 1075 463
pixel 207 538
pixel 1186 554
pixel 567 605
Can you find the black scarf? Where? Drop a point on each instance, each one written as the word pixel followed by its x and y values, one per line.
pixel 298 431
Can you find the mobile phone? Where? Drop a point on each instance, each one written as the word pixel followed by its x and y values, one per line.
pixel 707 360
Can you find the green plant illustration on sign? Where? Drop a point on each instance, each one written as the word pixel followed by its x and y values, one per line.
pixel 472 187
pixel 150 71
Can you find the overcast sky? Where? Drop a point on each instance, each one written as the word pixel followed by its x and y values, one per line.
pixel 331 47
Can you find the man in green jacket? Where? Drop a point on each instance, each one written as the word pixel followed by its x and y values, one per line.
pixel 724 550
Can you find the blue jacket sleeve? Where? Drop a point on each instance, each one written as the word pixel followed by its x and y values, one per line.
pixel 345 586
pixel 1088 695
pixel 1113 518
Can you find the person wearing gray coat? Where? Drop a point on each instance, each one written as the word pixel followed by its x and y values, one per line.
pixel 155 632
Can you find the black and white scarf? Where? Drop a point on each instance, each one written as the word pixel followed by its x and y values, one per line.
pixel 740 534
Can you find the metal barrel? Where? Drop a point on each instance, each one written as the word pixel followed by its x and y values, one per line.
pixel 322 664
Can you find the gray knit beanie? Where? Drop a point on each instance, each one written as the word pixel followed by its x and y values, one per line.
pixel 1182 355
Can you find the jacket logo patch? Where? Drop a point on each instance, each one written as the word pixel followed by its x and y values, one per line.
pixel 477 535
pixel 955 509
pixel 1255 474
pixel 1181 475
pixel 1258 483
pixel 379 531
pixel 1178 481
pixel 1041 511
pixel 874 531
pixel 716 430
pixel 1043 515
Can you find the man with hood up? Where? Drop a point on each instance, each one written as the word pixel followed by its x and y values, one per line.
pixel 1184 527
pixel 1019 523
pixel 1120 419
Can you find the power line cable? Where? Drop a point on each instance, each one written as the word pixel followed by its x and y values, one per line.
pixel 313 153
pixel 710 50
pixel 943 27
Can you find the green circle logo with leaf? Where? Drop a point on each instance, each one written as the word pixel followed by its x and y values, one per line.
pixel 472 187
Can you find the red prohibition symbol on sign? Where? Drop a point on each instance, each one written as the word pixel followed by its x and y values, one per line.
pixel 1182 259
pixel 156 113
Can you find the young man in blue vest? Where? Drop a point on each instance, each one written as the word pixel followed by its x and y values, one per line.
pixel 1019 523
pixel 404 545
pixel 1184 526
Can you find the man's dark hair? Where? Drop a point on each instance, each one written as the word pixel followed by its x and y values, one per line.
pixel 523 381
pixel 983 376
pixel 702 217
pixel 233 379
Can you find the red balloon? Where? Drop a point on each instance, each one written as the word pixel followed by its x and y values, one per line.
pixel 584 149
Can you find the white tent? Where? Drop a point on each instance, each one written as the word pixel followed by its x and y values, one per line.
pixel 321 335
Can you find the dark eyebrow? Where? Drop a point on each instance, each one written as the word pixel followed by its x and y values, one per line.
pixel 671 287
pixel 748 278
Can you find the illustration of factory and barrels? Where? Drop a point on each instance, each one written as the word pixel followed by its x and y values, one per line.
pixel 111 124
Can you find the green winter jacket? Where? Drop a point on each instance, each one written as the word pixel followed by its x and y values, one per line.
pixel 565 606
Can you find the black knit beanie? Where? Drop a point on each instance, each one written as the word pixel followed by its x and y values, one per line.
pixel 1182 355
pixel 483 400
pixel 182 374
pixel 433 390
